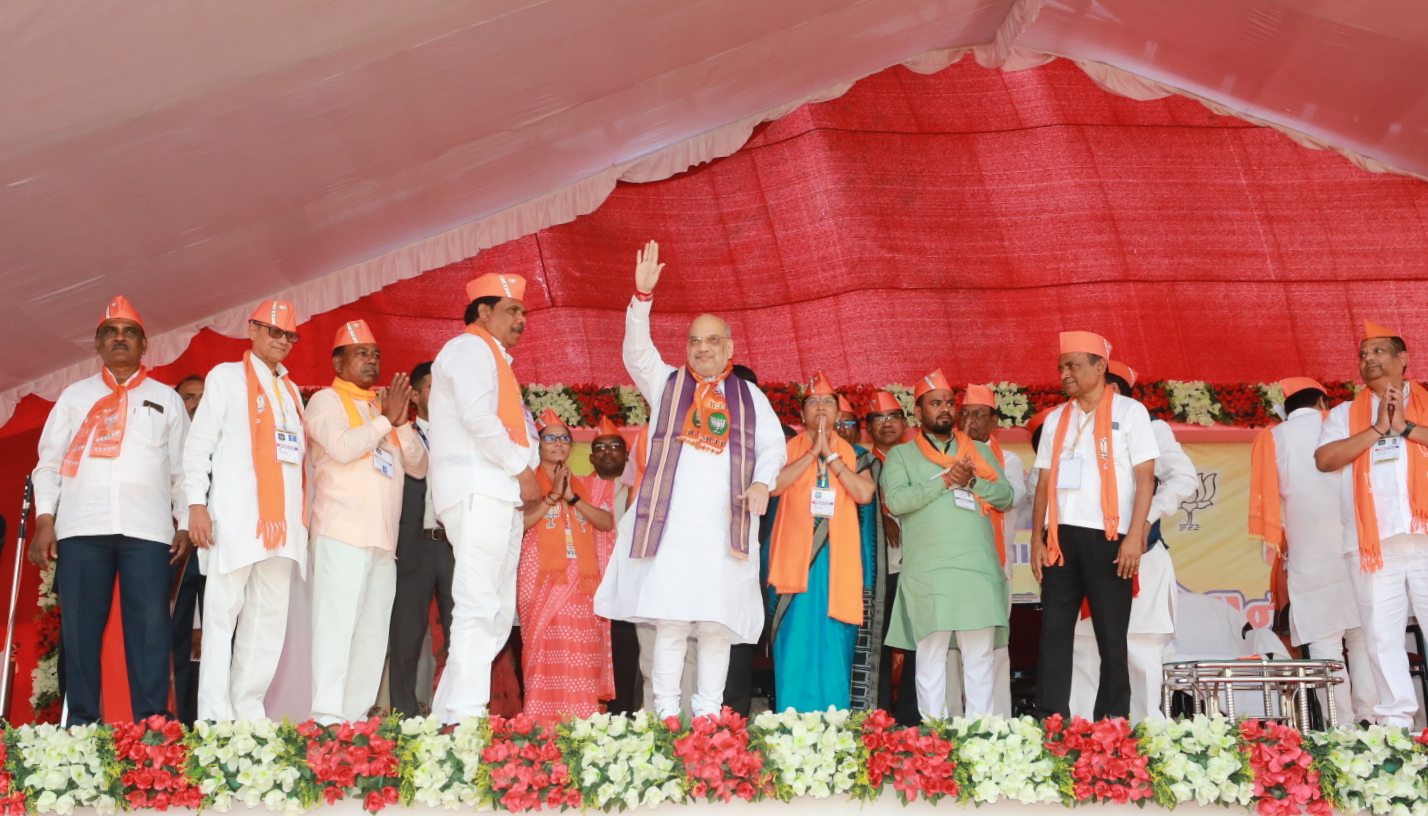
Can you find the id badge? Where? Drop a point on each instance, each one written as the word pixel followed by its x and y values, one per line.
pixel 383 460
pixel 822 505
pixel 965 499
pixel 1068 477
pixel 1387 449
pixel 569 544
pixel 289 453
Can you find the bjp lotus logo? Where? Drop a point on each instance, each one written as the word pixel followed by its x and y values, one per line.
pixel 1202 499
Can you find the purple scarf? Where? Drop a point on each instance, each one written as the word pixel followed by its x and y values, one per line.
pixel 652 505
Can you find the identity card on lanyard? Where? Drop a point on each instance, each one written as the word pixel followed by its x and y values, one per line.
pixel 288 451
pixel 1387 449
pixel 823 496
pixel 383 460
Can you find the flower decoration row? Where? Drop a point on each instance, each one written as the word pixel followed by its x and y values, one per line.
pixel 617 762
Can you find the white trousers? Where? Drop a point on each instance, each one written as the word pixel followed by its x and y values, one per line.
pixel 645 632
pixel 1001 691
pixel 1385 599
pixel 352 592
pixel 1145 657
pixel 245 618
pixel 485 534
pixel 667 668
pixel 978 671
pixel 1355 697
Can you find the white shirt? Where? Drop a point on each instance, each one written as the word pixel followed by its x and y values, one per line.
pixel 428 513
pixel 1016 476
pixel 1389 480
pixel 138 493
pixel 1178 478
pixel 470 449
pixel 218 469
pixel 1132 443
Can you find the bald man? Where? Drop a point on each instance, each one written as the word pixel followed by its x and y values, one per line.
pixel 687 558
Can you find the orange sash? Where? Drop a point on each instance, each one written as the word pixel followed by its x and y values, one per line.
pixel 263 426
pixel 706 426
pixel 980 469
pixel 105 422
pixel 791 544
pixel 1266 519
pixel 351 395
pixel 561 527
pixel 509 408
pixel 1105 463
pixel 1365 514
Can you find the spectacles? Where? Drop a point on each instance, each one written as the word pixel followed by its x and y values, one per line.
pixel 878 419
pixel 973 412
pixel 713 340
pixel 554 438
pixel 277 333
pixel 846 424
pixel 606 446
pixel 826 399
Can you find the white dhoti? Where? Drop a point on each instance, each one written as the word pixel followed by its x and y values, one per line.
pixel 671 645
pixel 1152 624
pixel 245 615
pixel 978 671
pixel 1385 600
pixel 485 534
pixel 352 593
pixel 645 632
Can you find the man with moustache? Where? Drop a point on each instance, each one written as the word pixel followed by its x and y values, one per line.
pixel 687 558
pixel 848 426
pixel 190 388
pixel 1377 442
pixel 1096 478
pixel 243 477
pixel 609 454
pixel 949 493
pixel 362 448
pixel 483 455
pixel 108 491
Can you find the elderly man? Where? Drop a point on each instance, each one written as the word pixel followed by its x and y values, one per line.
pixel 483 452
pixel 1291 500
pixel 848 426
pixel 362 449
pixel 1096 478
pixel 950 494
pixel 108 489
pixel 687 558
pixel 243 476
pixel 1152 620
pixel 1379 445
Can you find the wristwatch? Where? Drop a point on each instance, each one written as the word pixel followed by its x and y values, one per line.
pixel 1407 429
pixel 573 500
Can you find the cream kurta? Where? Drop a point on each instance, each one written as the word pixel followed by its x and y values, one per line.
pixel 694 576
pixel 220 443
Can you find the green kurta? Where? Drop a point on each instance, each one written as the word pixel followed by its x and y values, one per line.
pixel 951 578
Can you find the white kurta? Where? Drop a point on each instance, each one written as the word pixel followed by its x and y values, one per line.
pixel 694 576
pixel 1321 590
pixel 218 464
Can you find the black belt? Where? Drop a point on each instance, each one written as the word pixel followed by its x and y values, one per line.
pixel 437 534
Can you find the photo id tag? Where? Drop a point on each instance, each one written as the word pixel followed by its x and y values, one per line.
pixel 383 460
pixel 289 453
pixel 1068 477
pixel 822 505
pixel 1387 449
pixel 965 499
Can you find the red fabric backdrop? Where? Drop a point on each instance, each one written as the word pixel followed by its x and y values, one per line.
pixel 959 220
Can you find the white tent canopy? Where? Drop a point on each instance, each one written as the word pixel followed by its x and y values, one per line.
pixel 198 157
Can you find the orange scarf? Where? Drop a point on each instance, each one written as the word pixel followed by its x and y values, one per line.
pixel 1266 519
pixel 108 416
pixel 509 408
pixel 980 468
pixel 1365 514
pixel 997 520
pixel 561 527
pixel 706 426
pixel 263 426
pixel 642 458
pixel 350 395
pixel 791 544
pixel 1105 463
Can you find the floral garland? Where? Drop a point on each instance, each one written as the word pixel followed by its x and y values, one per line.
pixel 623 762
pixel 442 767
pixel 154 759
pixel 68 768
pixel 1004 759
pixel 1196 760
pixel 1285 783
pixel 12 797
pixel 817 753
pixel 1377 769
pixel 915 758
pixel 526 766
pixel 718 762
pixel 1102 759
pixel 251 762
pixel 356 760
pixel 44 678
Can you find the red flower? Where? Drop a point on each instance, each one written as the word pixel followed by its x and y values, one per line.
pixel 1105 759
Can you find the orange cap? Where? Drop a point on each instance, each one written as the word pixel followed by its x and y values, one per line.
pixel 493 285
pixel 883 402
pixel 606 428
pixel 1122 370
pixel 1089 342
pixel 931 382
pixel 1293 385
pixel 844 407
pixel 980 395
pixel 120 309
pixel 1038 418
pixel 277 313
pixel 353 333
pixel 820 385
pixel 548 417
pixel 1372 329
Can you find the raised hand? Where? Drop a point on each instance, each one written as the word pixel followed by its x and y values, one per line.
pixel 647 268
pixel 1383 420
pixel 961 472
pixel 395 400
pixel 1393 397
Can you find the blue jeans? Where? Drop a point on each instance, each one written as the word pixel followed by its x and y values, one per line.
pixel 84 578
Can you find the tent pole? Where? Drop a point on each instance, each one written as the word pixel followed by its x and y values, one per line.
pixel 5 676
